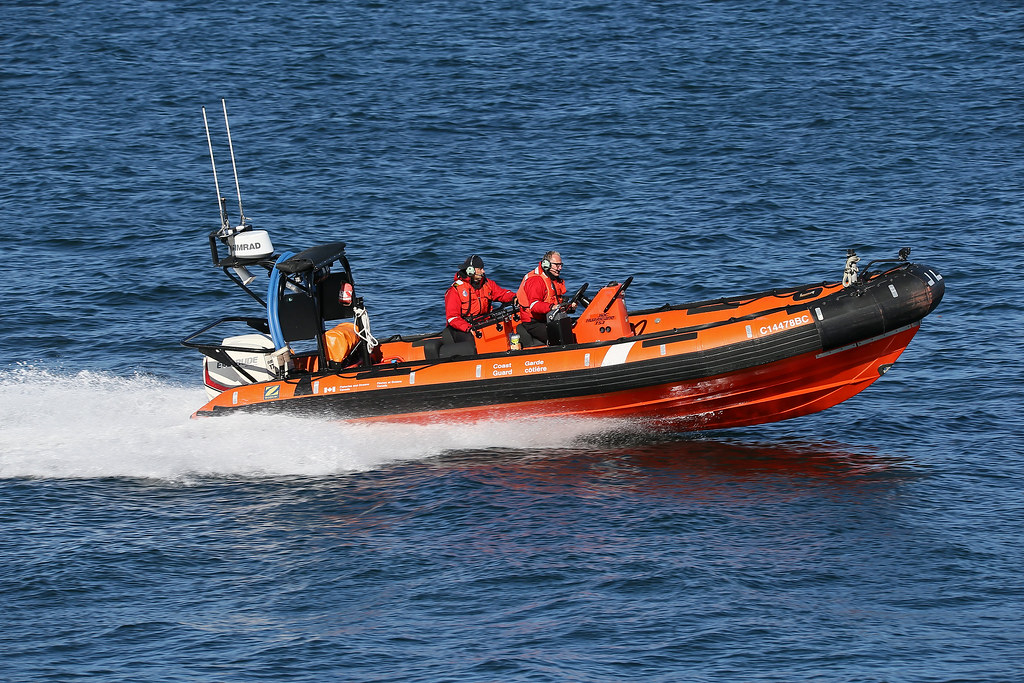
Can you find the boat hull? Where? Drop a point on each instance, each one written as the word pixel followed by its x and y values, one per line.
pixel 711 365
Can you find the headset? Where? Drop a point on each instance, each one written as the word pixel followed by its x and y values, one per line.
pixel 470 270
pixel 545 262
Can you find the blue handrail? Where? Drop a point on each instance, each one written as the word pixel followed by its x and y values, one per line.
pixel 273 298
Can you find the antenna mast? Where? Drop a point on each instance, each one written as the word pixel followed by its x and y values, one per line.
pixel 238 189
pixel 216 183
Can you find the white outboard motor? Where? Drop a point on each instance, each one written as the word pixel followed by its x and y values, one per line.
pixel 262 366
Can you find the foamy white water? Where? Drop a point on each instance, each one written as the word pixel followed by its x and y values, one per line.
pixel 92 424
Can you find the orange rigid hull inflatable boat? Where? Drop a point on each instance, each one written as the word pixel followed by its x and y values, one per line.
pixel 725 363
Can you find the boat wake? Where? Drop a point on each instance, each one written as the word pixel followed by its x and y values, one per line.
pixel 94 425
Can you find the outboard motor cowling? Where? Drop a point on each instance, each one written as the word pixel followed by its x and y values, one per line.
pixel 258 362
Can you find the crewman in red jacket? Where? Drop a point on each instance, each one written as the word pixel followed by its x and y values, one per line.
pixel 471 294
pixel 541 290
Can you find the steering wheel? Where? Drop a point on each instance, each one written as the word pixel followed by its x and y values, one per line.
pixel 559 309
pixel 578 296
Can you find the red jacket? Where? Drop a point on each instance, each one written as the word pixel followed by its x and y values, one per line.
pixel 538 293
pixel 463 300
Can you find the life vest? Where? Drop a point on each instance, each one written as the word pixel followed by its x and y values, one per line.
pixel 554 291
pixel 474 301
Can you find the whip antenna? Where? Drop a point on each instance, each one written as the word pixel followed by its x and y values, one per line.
pixel 231 148
pixel 216 183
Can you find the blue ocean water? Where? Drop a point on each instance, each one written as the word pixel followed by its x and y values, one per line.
pixel 706 148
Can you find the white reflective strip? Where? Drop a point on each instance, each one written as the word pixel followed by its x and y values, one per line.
pixel 663 349
pixel 316 387
pixel 893 290
pixel 817 312
pixel 412 378
pixel 750 333
pixel 586 360
pixel 478 371
pixel 234 398
pixel 617 354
